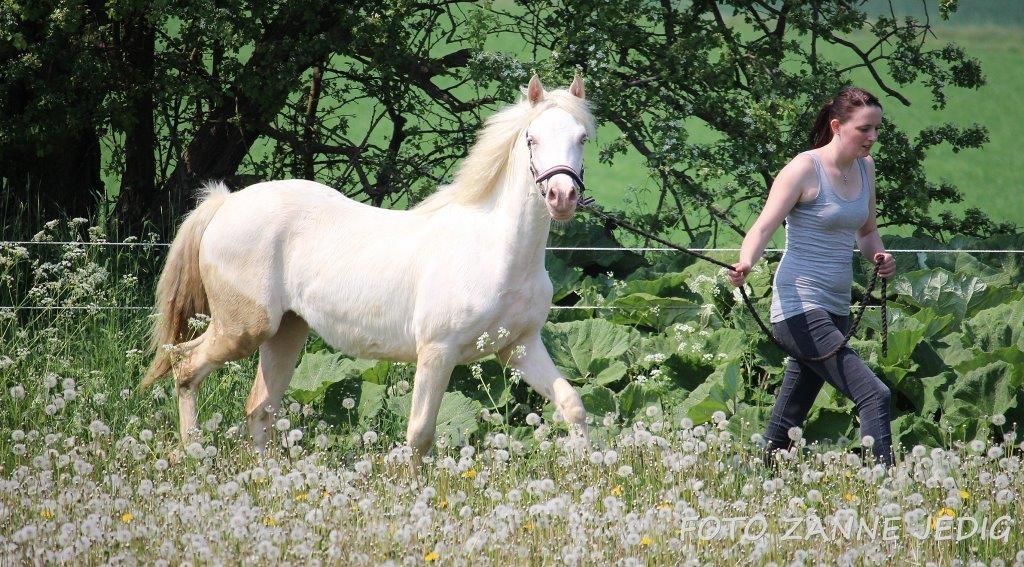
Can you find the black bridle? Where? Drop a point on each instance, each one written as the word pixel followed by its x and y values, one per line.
pixel 540 178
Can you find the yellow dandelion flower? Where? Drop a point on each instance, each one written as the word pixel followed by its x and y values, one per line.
pixel 442 503
pixel 302 497
pixel 471 473
pixel 849 497
pixel 327 494
pixel 943 512
pixel 646 541
pixel 46 513
pixel 528 526
pixel 433 555
pixel 964 495
pixel 127 517
pixel 269 521
pixel 617 490
pixel 665 506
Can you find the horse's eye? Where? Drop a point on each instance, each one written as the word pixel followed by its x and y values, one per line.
pixel 583 139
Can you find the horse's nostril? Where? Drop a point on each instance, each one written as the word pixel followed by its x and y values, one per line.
pixel 572 194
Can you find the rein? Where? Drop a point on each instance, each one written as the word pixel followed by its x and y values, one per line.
pixel 588 204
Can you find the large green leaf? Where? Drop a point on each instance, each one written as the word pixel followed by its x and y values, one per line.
pixel 911 429
pixel 378 373
pixel 592 233
pixel 827 424
pixel 749 419
pixel 924 393
pixel 456 418
pixel 652 311
pixel 371 402
pixel 493 393
pixel 999 326
pixel 1010 355
pixel 720 392
pixel 960 295
pixel 564 278
pixel 901 346
pixel 978 394
pixel 598 401
pixel 635 398
pixel 952 350
pixel 318 370
pixel 590 351
pixel 667 285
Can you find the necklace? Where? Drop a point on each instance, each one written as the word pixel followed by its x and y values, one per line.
pixel 845 174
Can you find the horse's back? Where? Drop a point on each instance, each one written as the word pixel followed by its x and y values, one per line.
pixel 345 267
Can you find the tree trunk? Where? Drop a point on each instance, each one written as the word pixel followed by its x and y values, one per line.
pixel 138 201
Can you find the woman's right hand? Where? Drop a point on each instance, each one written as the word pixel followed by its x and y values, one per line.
pixel 738 273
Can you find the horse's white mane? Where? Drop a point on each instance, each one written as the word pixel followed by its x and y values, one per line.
pixel 493 156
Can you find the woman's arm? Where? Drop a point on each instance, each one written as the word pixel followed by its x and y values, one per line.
pixel 868 239
pixel 785 193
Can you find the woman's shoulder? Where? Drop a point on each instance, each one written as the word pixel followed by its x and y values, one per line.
pixel 800 166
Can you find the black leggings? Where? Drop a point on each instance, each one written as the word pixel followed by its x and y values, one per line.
pixel 815 333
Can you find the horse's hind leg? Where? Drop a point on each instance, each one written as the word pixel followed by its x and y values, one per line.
pixel 278 356
pixel 219 344
pixel 238 326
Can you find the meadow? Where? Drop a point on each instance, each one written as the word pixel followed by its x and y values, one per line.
pixel 676 383
pixel 92 471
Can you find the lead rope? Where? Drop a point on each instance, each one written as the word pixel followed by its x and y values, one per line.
pixel 587 203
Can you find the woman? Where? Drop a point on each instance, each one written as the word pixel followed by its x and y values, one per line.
pixel 827 196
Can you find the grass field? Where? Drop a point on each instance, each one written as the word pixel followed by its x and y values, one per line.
pixel 92 471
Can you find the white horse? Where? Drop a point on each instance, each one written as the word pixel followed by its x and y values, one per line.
pixel 272 261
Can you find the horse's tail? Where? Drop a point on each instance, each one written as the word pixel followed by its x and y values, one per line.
pixel 180 293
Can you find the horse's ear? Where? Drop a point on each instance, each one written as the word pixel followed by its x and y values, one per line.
pixel 535 92
pixel 576 88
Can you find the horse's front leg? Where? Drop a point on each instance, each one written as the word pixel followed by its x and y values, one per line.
pixel 434 365
pixel 540 372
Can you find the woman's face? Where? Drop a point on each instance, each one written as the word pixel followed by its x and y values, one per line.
pixel 857 134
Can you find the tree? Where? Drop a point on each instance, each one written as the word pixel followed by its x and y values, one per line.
pixel 381 98
pixel 376 98
pixel 754 73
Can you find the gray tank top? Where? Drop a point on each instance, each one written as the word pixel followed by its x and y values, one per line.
pixel 816 271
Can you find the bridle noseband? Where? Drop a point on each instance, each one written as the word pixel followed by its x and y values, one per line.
pixel 540 178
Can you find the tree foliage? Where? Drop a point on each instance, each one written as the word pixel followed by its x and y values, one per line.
pixel 381 99
pixel 754 73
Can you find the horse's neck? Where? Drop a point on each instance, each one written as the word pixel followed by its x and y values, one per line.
pixel 522 224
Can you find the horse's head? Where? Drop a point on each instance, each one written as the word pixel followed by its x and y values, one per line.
pixel 555 141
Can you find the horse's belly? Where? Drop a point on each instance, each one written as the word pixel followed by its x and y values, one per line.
pixel 367 339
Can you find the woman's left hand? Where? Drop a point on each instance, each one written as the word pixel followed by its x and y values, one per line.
pixel 888 267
